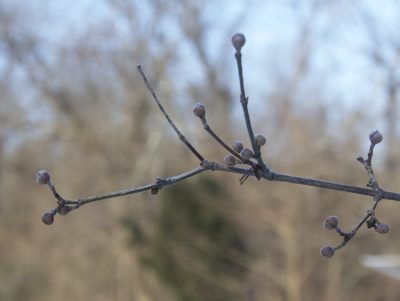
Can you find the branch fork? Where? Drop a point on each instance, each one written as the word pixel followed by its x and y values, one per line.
pixel 238 155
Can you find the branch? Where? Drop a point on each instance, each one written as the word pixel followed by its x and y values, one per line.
pixel 370 219
pixel 240 155
pixel 65 206
pixel 181 137
pixel 210 166
pixel 238 41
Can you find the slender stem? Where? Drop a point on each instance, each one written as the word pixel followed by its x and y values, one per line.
pixel 244 102
pixel 224 145
pixel 59 198
pixel 370 153
pixel 181 137
pixel 159 184
pixel 215 166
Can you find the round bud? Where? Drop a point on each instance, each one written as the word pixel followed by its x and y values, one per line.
pixel 382 228
pixel 238 40
pixel 260 140
pixel 375 137
pixel 230 160
pixel 237 146
pixel 154 190
pixel 327 252
pixel 48 218
pixel 199 110
pixel 331 222
pixel 247 153
pixel 42 177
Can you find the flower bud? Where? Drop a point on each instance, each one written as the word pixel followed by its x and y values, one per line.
pixel 199 110
pixel 260 140
pixel 230 160
pixel 48 218
pixel 247 153
pixel 42 177
pixel 237 146
pixel 154 190
pixel 331 222
pixel 238 40
pixel 382 228
pixel 327 252
pixel 375 137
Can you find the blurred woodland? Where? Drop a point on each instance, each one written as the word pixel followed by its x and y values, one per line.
pixel 72 102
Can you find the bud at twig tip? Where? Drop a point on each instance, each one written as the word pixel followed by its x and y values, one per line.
pixel 382 228
pixel 327 252
pixel 48 218
pixel 260 140
pixel 375 137
pixel 42 177
pixel 238 40
pixel 199 110
pixel 331 222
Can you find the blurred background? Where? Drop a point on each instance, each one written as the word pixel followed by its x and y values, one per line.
pixel 320 76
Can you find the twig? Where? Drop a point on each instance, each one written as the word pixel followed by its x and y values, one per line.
pixel 370 219
pixel 259 170
pixel 203 119
pixel 160 183
pixel 238 41
pixel 181 137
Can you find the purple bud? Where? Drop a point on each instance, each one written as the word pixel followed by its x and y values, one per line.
pixel 331 222
pixel 260 140
pixel 230 160
pixel 237 146
pixel 327 252
pixel 42 177
pixel 247 153
pixel 375 137
pixel 48 218
pixel 199 110
pixel 238 40
pixel 382 228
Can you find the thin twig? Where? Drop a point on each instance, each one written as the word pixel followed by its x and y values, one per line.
pixel 160 183
pixel 224 145
pixel 218 167
pixel 181 137
pixel 377 194
pixel 244 102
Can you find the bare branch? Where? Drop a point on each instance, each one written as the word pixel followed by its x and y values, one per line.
pixel 181 137
pixel 238 40
pixel 244 156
